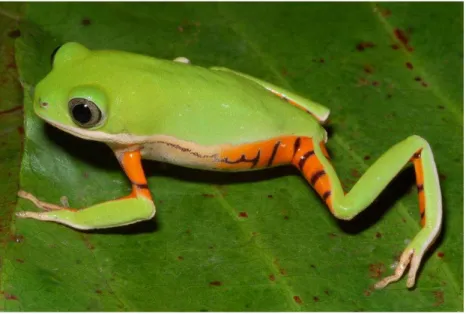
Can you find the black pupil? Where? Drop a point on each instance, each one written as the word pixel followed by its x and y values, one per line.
pixel 82 113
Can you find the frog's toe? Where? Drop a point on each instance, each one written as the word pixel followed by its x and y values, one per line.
pixel 42 205
pixel 33 215
pixel 403 263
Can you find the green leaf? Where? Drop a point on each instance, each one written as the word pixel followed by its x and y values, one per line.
pixel 258 241
pixel 11 128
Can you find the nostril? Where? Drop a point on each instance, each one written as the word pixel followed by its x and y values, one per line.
pixel 44 104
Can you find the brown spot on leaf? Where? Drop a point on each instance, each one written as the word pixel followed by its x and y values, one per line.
pixel 439 298
pixel 386 12
pixel 441 107
pixel 367 157
pixel 355 173
pixel 378 235
pixel 364 44
pixel 440 254
pixel 417 78
pixel 20 260
pixel 362 82
pixel 208 195
pixel 375 83
pixel 20 130
pixel 442 177
pixel 326 292
pixel 11 65
pixel 286 217
pixel 243 215
pixel 98 291
pixel 403 38
pixel 321 60
pixel 332 235
pixel 409 65
pixel 272 277
pixel 395 47
pixel 85 22
pixel 424 84
pixel 283 271
pixel 297 299
pixel 17 238
pixel 180 258
pixel 376 270
pixel 14 33
pixel 367 293
pixel 316 299
pixel 284 72
pixel 368 68
pixel 10 296
pixel 216 283
pixel 270 196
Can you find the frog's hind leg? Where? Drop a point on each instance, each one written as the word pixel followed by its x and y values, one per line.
pixel 312 160
pixel 135 207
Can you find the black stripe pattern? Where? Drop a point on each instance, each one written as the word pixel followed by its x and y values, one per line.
pixel 274 152
pixel 304 158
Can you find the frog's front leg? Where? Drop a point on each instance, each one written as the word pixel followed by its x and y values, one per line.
pixel 135 207
pixel 312 160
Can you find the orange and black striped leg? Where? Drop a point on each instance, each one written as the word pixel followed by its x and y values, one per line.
pixel 312 160
pixel 308 162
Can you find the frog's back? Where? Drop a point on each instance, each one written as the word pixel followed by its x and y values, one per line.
pixel 202 105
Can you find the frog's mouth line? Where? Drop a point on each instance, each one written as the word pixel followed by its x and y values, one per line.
pixel 131 140
pixel 98 136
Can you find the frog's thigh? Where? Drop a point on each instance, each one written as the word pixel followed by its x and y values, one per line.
pixel 183 153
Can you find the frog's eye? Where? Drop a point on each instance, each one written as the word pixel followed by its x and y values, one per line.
pixel 84 112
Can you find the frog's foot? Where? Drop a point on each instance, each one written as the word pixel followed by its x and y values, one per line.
pixel 405 259
pixel 120 212
pixel 182 60
pixel 411 257
pixel 40 204
pixel 135 207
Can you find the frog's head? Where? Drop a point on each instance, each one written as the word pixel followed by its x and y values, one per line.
pixel 73 96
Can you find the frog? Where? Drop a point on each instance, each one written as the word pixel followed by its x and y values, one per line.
pixel 213 119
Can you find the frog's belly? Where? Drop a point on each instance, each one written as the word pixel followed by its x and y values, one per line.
pixel 182 153
pixel 250 156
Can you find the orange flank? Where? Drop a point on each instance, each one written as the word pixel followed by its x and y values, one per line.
pixel 269 153
pixel 298 151
pixel 417 161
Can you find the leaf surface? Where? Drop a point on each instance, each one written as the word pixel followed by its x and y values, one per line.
pixel 258 241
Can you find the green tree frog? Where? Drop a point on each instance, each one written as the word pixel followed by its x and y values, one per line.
pixel 213 119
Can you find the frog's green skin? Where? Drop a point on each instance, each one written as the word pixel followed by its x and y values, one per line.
pixel 214 119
